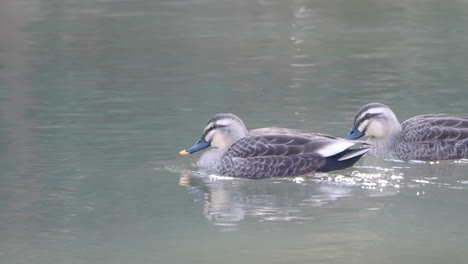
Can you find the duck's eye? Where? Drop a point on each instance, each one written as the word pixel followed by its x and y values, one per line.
pixel 368 116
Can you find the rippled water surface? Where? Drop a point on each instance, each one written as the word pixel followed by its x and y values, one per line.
pixel 98 97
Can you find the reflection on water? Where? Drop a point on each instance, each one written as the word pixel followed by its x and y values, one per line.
pixel 383 207
pixel 229 200
pixel 226 200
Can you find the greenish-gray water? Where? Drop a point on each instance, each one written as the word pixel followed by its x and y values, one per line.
pixel 98 97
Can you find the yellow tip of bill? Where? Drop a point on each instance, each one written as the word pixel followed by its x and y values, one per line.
pixel 183 152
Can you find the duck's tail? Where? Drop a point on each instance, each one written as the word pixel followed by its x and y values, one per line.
pixel 343 160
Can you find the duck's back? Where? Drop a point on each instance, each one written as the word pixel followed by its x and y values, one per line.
pixel 270 156
pixel 277 152
pixel 434 137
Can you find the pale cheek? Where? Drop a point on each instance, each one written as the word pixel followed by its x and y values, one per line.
pixel 217 141
pixel 375 130
pixel 363 126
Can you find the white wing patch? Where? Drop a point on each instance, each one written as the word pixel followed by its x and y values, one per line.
pixel 355 153
pixel 335 147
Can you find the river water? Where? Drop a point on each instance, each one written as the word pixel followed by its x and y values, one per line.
pixel 98 97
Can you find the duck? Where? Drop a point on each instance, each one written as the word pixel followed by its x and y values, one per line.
pixel 270 152
pixel 423 137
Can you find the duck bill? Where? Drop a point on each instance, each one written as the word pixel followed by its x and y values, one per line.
pixel 354 133
pixel 201 144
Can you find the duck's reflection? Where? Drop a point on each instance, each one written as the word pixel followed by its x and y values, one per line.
pixel 227 201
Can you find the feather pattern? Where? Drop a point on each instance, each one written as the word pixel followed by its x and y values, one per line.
pixel 267 156
pixel 434 137
pixel 423 137
pixel 278 152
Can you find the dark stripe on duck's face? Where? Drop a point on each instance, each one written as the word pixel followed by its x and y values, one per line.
pixel 367 117
pixel 367 107
pixel 202 143
pixel 211 128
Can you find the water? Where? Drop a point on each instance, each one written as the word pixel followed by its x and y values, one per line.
pixel 98 97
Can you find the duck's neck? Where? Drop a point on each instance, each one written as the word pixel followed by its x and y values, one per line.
pixel 210 159
pixel 384 148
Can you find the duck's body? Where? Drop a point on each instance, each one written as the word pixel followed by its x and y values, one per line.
pixel 270 152
pixel 423 137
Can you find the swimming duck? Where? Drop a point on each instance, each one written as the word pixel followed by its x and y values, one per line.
pixel 270 152
pixel 423 137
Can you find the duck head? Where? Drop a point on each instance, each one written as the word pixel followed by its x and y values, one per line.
pixel 375 120
pixel 221 131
